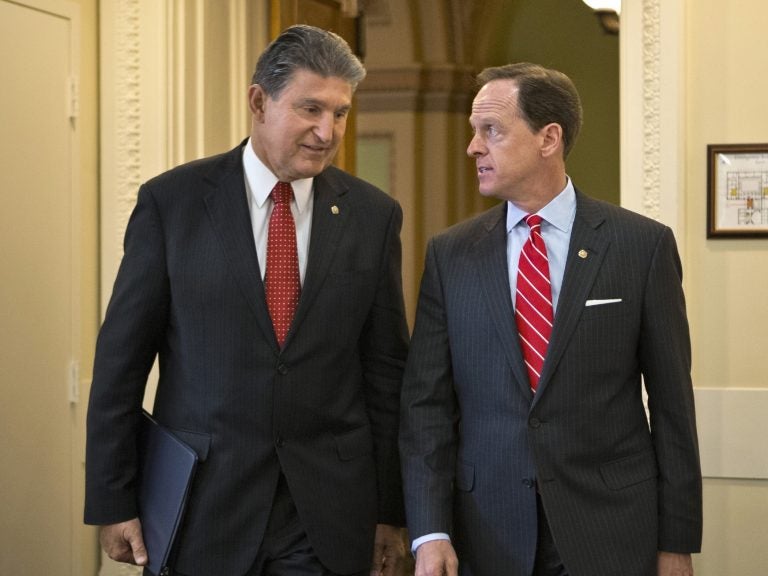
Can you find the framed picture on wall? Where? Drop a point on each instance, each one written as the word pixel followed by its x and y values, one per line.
pixel 737 190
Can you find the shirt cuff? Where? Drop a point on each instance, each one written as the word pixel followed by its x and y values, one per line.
pixel 428 538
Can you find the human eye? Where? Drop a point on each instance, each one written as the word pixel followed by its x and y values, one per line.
pixel 308 107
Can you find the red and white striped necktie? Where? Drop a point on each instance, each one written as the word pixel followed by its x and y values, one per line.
pixel 533 301
pixel 282 280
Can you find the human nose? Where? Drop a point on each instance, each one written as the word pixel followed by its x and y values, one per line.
pixel 475 147
pixel 325 127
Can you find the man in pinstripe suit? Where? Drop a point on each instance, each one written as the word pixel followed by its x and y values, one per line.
pixel 571 479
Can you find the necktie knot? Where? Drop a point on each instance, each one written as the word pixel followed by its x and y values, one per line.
pixel 533 220
pixel 282 193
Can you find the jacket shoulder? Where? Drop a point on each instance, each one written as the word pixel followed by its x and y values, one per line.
pixel 469 229
pixel 209 169
pixel 359 189
pixel 598 213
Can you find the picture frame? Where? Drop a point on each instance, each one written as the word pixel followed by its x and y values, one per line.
pixel 737 190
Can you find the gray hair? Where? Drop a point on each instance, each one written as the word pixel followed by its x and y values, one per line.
pixel 544 96
pixel 309 48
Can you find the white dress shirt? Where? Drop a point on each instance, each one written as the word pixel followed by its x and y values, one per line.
pixel 259 181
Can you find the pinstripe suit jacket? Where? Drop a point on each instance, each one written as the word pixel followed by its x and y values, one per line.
pixel 475 443
pixel 324 409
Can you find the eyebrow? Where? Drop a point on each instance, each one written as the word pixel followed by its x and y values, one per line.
pixel 321 104
pixel 345 108
pixel 483 118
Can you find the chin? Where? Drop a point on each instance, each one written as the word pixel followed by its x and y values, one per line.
pixel 317 166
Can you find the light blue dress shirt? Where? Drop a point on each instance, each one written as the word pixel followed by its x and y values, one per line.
pixel 556 227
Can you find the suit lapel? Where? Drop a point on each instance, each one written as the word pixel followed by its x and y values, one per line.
pixel 227 206
pixel 490 254
pixel 331 214
pixel 586 252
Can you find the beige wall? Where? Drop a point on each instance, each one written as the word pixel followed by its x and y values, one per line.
pixel 727 280
pixel 726 84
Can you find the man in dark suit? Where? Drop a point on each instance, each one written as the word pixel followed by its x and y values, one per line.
pixel 516 467
pixel 295 423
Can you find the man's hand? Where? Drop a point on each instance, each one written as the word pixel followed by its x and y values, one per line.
pixel 436 558
pixel 671 564
pixel 123 542
pixel 389 551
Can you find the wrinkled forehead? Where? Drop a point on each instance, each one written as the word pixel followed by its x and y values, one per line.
pixel 495 99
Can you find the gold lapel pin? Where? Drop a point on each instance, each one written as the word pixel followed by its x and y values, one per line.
pixel 334 209
pixel 583 253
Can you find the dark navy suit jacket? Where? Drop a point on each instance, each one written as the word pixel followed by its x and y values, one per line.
pixel 324 409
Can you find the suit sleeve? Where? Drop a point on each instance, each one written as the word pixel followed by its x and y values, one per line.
pixel 429 415
pixel 665 355
pixel 384 347
pixel 125 351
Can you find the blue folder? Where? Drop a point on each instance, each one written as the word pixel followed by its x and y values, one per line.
pixel 166 469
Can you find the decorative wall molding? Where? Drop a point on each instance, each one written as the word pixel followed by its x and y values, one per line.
pixel 133 116
pixel 127 110
pixel 651 109
pixel 651 68
pixel 445 88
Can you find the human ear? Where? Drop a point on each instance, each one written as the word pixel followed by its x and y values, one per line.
pixel 257 100
pixel 552 139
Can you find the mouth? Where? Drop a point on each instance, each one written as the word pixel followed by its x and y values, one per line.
pixel 316 151
pixel 483 170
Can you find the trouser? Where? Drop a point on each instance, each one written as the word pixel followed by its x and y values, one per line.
pixel 548 561
pixel 285 550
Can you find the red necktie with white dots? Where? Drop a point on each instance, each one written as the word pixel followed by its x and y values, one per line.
pixel 282 275
pixel 533 301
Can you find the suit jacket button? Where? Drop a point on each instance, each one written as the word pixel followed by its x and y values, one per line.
pixel 279 442
pixel 282 369
pixel 527 482
pixel 534 423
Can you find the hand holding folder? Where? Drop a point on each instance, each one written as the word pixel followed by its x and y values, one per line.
pixel 166 469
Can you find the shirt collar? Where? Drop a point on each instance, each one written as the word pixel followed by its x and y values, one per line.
pixel 260 180
pixel 559 212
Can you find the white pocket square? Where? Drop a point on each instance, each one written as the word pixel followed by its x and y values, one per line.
pixel 601 302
